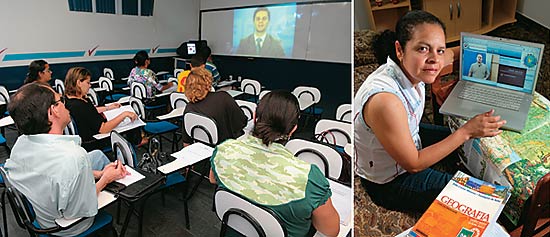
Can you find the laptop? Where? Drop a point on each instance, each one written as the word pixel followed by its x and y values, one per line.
pixel 495 73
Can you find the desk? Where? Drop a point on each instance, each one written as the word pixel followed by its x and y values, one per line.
pixel 6 121
pixel 512 159
pixel 234 93
pixel 177 112
pixel 342 197
pixel 140 190
pixel 104 198
pixel 122 127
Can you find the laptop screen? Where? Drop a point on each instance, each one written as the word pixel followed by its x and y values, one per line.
pixel 500 62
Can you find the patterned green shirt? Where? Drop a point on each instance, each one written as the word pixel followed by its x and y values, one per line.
pixel 272 177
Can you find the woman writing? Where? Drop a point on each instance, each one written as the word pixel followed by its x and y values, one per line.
pixel 39 71
pixel 393 164
pixel 262 170
pixel 88 118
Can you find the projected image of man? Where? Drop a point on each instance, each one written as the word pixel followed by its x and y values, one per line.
pixel 260 42
pixel 479 69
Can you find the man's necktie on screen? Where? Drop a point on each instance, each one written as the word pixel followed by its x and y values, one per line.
pixel 258 45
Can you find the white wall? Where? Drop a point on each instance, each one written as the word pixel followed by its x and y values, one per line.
pixel 536 10
pixel 30 26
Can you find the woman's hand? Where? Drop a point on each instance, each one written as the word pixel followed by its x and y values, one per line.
pixel 484 125
pixel 131 115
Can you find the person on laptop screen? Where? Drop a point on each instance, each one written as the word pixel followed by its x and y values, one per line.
pixel 479 69
pixel 393 153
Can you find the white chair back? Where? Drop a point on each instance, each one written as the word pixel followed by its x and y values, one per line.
pixel 4 95
pixel 247 107
pixel 201 128
pixel 333 132
pixel 70 129
pixel 245 217
pixel 138 90
pixel 93 96
pixel 59 86
pixel 262 94
pixel 178 100
pixel 307 92
pixel 326 158
pixel 173 80
pixel 343 113
pixel 122 149
pixel 251 87
pixel 108 73
pixel 105 83
pixel 138 107
pixel 177 72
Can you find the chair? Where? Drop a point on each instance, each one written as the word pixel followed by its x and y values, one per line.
pixel 4 97
pixel 201 128
pixel 155 128
pixel 26 218
pixel 59 86
pixel 178 100
pixel 326 158
pixel 125 152
pixel 263 93
pixel 245 217
pixel 173 80
pixel 138 91
pixel 108 73
pixel 248 108
pixel 93 96
pixel 333 132
pixel 537 217
pixel 177 72
pixel 252 88
pixel 107 85
pixel 343 113
pixel 310 94
pixel 70 129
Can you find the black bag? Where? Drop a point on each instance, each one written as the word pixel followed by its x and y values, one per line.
pixel 154 158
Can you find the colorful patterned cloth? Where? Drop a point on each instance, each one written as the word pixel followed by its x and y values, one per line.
pixel 521 159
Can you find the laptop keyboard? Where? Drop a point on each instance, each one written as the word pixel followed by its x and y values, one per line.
pixel 491 96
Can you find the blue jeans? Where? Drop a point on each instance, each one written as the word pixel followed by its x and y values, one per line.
pixel 98 160
pixel 412 192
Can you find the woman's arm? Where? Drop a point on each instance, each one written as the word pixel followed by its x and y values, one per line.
pixel 211 177
pixel 101 109
pixel 108 126
pixel 326 220
pixel 389 124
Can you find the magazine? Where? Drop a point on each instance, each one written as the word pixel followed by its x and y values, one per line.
pixel 464 208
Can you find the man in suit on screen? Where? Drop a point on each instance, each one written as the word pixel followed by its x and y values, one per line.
pixel 260 42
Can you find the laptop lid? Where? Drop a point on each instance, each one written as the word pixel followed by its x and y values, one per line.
pixel 500 62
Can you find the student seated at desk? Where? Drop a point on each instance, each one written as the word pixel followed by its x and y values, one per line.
pixel 393 163
pixel 39 71
pixel 88 118
pixel 219 106
pixel 142 74
pixel 196 62
pixel 51 169
pixel 262 170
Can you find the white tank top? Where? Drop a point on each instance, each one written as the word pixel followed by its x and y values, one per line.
pixel 372 162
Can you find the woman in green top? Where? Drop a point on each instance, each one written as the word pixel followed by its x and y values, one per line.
pixel 261 169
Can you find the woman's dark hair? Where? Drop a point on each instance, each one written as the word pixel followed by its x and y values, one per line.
pixel 384 44
pixel 140 58
pixel 35 67
pixel 276 115
pixel 29 108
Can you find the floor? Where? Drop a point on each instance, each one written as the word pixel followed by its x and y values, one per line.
pixel 159 220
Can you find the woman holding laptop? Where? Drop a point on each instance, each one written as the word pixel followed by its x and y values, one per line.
pixel 392 161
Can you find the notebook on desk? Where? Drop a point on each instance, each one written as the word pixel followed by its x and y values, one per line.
pixel 495 73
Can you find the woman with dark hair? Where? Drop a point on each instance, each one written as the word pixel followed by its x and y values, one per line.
pixel 88 118
pixel 219 106
pixel 39 71
pixel 142 74
pixel 393 163
pixel 259 168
